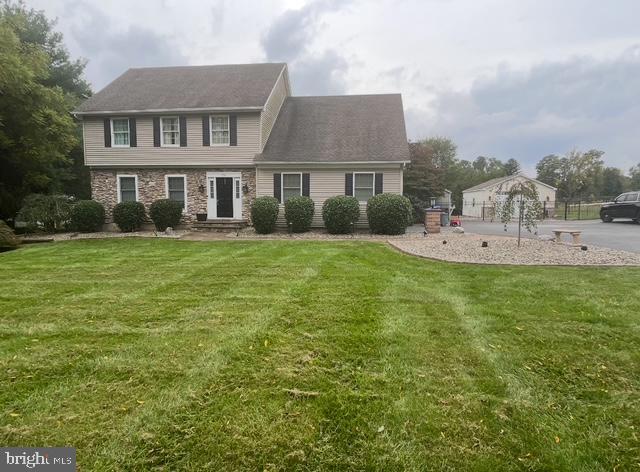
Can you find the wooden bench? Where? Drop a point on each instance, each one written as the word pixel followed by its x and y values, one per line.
pixel 575 234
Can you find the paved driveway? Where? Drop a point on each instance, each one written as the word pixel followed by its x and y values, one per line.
pixel 620 234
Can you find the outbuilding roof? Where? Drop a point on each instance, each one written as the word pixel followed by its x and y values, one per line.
pixel 348 128
pixel 233 86
pixel 499 180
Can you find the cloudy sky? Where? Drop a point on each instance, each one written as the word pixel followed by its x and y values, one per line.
pixel 502 78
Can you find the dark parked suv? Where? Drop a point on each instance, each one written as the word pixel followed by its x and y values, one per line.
pixel 626 205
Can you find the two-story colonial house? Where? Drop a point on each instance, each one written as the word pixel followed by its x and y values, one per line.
pixel 215 137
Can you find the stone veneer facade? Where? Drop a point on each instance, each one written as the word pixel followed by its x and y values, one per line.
pixel 151 187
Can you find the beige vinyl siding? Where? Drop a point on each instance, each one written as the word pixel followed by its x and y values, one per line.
pixel 325 183
pixel 193 154
pixel 272 107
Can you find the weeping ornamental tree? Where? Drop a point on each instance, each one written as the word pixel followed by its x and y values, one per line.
pixel 520 200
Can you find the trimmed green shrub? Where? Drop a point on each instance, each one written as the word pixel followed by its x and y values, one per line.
pixel 87 216
pixel 129 216
pixel 49 212
pixel 298 212
pixel 389 213
pixel 264 213
pixel 340 214
pixel 165 213
pixel 8 240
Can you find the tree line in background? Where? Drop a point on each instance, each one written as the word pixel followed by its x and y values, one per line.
pixel 583 176
pixel 435 167
pixel 40 143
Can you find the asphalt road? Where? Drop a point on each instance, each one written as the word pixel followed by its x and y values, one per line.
pixel 620 234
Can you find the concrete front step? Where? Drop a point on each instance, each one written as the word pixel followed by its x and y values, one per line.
pixel 219 225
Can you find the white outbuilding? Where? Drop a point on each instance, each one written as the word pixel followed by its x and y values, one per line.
pixel 479 200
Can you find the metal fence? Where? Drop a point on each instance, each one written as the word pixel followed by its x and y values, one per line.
pixel 584 209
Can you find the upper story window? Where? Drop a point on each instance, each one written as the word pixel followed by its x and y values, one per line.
pixel 120 132
pixel 170 131
pixel 291 186
pixel 220 130
pixel 363 185
pixel 127 188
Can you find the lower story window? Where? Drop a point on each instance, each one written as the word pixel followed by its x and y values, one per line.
pixel 177 189
pixel 291 186
pixel 363 186
pixel 127 188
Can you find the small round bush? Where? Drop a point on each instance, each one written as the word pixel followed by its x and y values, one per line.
pixel 8 240
pixel 49 212
pixel 264 213
pixel 129 216
pixel 340 214
pixel 389 213
pixel 87 216
pixel 298 212
pixel 165 213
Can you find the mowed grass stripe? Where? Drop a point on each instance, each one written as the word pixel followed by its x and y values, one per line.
pixel 309 348
pixel 417 365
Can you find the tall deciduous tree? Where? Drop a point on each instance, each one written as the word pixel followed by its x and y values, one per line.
pixel 430 160
pixel 634 174
pixel 40 86
pixel 512 167
pixel 613 182
pixel 576 175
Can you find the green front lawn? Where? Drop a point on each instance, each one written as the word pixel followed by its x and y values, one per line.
pixel 270 355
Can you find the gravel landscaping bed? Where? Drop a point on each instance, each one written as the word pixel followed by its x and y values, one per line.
pixel 314 234
pixel 504 250
pixel 176 234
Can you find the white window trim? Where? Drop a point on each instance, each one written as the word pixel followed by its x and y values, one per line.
pixel 211 143
pixel 113 135
pixel 373 188
pixel 282 183
pixel 162 143
pixel 118 185
pixel 184 182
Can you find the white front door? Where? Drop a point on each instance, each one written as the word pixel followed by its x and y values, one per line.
pixel 224 195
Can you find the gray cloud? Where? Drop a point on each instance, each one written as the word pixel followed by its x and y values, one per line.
pixel 111 52
pixel 288 39
pixel 320 75
pixel 553 107
pixel 217 12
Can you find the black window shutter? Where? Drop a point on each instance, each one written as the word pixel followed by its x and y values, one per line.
pixel 133 132
pixel 107 132
pixel 305 185
pixel 277 190
pixel 156 131
pixel 183 131
pixel 378 183
pixel 348 184
pixel 206 134
pixel 233 130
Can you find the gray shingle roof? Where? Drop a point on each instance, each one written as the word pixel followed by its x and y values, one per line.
pixel 488 183
pixel 349 128
pixel 183 88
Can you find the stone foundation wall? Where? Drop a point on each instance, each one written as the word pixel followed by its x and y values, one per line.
pixel 152 186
